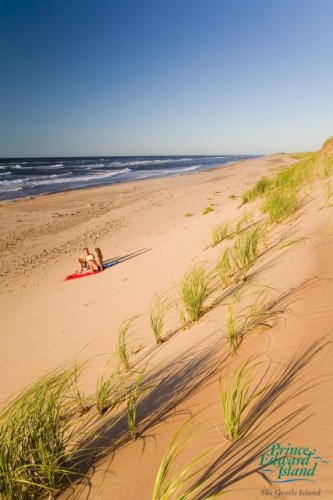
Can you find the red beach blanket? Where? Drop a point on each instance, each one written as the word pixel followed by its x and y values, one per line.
pixel 82 275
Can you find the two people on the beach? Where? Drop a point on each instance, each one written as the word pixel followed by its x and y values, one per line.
pixel 91 262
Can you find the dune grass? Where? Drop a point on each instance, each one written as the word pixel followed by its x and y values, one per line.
pixel 236 395
pixel 122 345
pixel 244 221
pixel 237 260
pixel 221 232
pixel 304 171
pixel 302 155
pixel 35 431
pixel 257 191
pixel 160 305
pixel 181 483
pixel 196 287
pixel 233 334
pixel 132 400
pixel 280 205
pixel 297 175
pixel 80 400
pixel 224 267
pixel 259 314
pixel 246 250
pixel 188 214
pixel 109 392
pixel 207 209
pixel 325 167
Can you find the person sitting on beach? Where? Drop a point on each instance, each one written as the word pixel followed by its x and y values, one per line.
pixel 87 261
pixel 99 259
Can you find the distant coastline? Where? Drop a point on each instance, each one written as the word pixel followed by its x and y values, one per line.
pixel 31 177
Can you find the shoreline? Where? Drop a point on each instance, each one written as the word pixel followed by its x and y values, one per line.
pixel 83 188
pixel 67 209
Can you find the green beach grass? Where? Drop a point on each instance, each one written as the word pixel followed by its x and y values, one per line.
pixel 221 232
pixel 35 432
pixel 122 344
pixel 236 395
pixel 281 205
pixel 132 400
pixel 108 392
pixel 195 288
pixel 159 307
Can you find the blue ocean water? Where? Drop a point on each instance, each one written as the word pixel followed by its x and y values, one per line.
pixel 23 177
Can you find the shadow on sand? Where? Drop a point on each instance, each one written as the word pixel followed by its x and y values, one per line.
pixel 173 384
pixel 262 425
pixel 120 259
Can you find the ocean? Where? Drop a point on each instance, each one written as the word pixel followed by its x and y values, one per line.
pixel 25 177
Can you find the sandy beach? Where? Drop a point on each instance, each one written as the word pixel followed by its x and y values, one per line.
pixel 155 231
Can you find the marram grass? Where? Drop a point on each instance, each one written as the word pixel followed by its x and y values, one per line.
pixel 290 178
pixel 35 431
pixel 244 221
pixel 207 209
pixel 174 482
pixel 236 395
pixel 246 250
pixel 132 400
pixel 280 205
pixel 221 232
pixel 224 267
pixel 233 334
pixel 196 287
pixel 109 393
pixel 260 314
pixel 160 305
pixel 122 344
pixel 258 190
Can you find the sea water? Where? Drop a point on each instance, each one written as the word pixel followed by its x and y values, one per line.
pixel 24 177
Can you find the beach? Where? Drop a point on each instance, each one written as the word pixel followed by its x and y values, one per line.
pixel 154 231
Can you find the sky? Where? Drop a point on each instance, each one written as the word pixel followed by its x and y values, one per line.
pixel 130 77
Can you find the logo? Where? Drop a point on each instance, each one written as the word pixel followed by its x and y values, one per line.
pixel 286 464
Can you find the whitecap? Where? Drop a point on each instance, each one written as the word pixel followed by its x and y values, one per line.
pixel 82 178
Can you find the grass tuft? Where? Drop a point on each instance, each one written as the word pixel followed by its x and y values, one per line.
pixel 245 250
pixel 122 347
pixel 224 267
pixel 244 221
pixel 236 395
pixel 195 289
pixel 208 209
pixel 181 483
pixel 260 314
pixel 258 190
pixel 132 400
pixel 34 434
pixel 280 205
pixel 221 232
pixel 109 393
pixel 160 305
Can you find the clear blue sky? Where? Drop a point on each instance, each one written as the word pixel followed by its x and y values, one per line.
pixel 104 77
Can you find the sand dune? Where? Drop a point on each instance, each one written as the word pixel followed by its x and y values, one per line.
pixel 47 321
